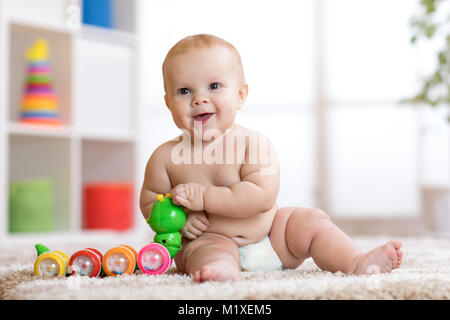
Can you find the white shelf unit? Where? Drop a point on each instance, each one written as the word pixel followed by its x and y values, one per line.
pixel 94 74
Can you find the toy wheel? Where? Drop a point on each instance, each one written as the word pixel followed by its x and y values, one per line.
pixel 119 260
pixel 50 264
pixel 154 259
pixel 85 262
pixel 96 252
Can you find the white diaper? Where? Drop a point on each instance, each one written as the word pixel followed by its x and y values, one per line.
pixel 259 256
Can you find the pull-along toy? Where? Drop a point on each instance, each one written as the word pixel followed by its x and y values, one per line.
pixel 166 219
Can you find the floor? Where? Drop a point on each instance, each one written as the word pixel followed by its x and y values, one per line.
pixel 424 274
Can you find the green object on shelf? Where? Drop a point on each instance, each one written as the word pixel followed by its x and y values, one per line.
pixel 31 205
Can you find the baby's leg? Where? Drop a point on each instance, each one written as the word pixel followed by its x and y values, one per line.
pixel 300 233
pixel 210 257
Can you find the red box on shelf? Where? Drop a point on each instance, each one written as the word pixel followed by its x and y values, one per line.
pixel 108 205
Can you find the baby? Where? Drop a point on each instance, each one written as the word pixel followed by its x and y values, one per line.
pixel 227 179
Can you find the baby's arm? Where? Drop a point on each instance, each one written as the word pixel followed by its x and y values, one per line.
pixel 254 194
pixel 156 180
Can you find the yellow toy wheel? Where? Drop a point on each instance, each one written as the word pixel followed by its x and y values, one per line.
pixel 51 264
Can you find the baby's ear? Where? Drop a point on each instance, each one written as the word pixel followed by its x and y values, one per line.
pixel 167 101
pixel 243 93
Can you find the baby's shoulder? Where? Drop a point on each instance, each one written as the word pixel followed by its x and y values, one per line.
pixel 163 151
pixel 244 131
pixel 255 134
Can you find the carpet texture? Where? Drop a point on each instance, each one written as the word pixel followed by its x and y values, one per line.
pixel 424 274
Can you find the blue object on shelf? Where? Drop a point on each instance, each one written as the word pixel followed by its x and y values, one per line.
pixel 98 13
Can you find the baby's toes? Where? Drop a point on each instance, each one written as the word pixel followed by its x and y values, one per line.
pixel 389 250
pixel 208 273
pixel 391 255
pixel 196 276
pixel 396 243
pixel 399 258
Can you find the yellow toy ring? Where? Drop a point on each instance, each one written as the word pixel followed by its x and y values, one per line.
pixel 60 259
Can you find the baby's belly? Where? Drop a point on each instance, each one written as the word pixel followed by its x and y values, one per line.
pixel 243 230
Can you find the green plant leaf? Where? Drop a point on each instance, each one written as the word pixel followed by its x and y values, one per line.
pixel 427 25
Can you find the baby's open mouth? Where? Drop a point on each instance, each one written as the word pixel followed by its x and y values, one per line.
pixel 203 117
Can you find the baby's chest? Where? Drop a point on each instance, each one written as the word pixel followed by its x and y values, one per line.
pixel 207 175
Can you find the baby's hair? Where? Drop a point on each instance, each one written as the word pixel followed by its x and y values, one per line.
pixel 201 41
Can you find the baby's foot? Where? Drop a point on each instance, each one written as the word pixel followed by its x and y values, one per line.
pixel 217 271
pixel 380 260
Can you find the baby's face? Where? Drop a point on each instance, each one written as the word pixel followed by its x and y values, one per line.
pixel 204 90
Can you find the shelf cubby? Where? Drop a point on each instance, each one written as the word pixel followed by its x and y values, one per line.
pixel 22 37
pixel 32 157
pixel 107 161
pixel 104 87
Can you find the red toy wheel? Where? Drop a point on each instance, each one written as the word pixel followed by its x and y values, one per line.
pixel 86 262
pixel 97 252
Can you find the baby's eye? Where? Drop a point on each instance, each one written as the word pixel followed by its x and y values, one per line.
pixel 214 85
pixel 183 91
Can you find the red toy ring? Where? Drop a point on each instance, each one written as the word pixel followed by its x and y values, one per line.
pixel 92 265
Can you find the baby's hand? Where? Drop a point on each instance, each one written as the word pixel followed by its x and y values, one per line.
pixel 196 224
pixel 189 195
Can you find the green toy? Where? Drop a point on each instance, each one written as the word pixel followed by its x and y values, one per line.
pixel 167 219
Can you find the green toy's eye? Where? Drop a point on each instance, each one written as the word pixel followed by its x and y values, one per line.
pixel 164 241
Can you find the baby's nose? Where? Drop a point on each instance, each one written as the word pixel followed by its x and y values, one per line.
pixel 199 100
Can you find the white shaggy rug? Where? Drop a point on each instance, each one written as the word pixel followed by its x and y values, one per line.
pixel 424 274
